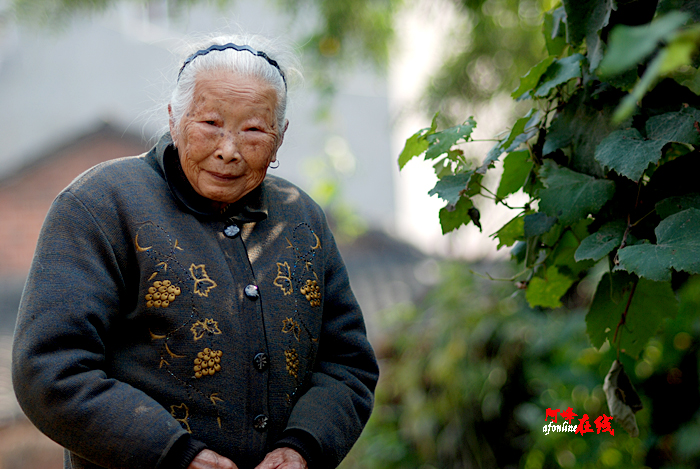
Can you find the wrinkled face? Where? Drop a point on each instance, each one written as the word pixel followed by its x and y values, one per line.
pixel 228 136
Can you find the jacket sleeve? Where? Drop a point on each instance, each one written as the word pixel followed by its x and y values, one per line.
pixel 69 305
pixel 339 399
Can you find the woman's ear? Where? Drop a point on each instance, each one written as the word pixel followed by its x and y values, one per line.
pixel 281 137
pixel 171 124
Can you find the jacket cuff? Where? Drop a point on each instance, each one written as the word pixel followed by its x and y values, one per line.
pixel 182 452
pixel 303 443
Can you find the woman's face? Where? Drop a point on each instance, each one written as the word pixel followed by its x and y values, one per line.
pixel 228 136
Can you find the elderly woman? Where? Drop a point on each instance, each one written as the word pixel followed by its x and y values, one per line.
pixel 184 308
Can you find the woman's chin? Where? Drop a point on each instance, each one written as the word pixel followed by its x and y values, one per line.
pixel 223 195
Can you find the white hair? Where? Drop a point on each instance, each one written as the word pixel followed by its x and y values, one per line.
pixel 241 62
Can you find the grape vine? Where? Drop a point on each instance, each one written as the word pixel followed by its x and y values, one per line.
pixel 608 157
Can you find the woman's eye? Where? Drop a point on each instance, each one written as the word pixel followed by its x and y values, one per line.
pixel 210 122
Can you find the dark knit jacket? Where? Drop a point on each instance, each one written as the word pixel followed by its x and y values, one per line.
pixel 139 288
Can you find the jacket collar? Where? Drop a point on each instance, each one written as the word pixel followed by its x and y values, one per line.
pixel 250 208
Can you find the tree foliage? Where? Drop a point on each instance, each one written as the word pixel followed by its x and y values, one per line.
pixel 607 159
pixel 467 376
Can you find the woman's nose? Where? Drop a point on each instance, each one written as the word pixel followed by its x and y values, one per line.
pixel 228 148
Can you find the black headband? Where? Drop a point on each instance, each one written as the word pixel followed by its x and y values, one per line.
pixel 230 45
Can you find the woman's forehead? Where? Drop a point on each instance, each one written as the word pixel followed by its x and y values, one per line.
pixel 233 88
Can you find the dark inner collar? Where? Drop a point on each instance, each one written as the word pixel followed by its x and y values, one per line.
pixel 249 208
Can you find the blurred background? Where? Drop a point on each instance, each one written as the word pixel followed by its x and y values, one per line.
pixel 467 368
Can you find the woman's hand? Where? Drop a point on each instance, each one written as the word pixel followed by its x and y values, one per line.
pixel 283 458
pixel 208 459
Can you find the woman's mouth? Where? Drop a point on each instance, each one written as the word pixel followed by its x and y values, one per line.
pixel 221 176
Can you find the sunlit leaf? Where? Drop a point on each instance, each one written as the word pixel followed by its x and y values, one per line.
pixel 416 144
pixel 530 80
pixel 651 303
pixel 571 196
pixel 554 29
pixel 455 215
pixel 677 248
pixel 516 168
pixel 511 232
pixel 547 292
pixel 679 52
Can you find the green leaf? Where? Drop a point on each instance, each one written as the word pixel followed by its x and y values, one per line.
pixel 680 51
pixel 454 216
pixel 537 224
pixel 558 73
pixel 547 292
pixel 449 187
pixel 602 242
pixel 532 78
pixel 416 144
pixel 584 17
pixel 677 247
pixel 627 153
pixel 511 232
pixel 675 126
pixel 571 196
pixel 563 255
pixel 629 103
pixel 516 168
pixel 523 129
pixel 672 205
pixel 630 45
pixel 441 142
pixel 554 29
pixel 651 303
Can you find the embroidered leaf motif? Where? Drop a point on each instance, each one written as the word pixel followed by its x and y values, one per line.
pixel 283 279
pixel 290 325
pixel 200 328
pixel 202 283
pixel 182 414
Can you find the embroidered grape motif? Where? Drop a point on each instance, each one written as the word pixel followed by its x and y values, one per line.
pixel 207 363
pixel 292 358
pixel 161 294
pixel 312 292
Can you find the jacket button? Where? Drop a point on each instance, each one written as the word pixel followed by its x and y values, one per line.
pixel 231 231
pixel 261 361
pixel 251 291
pixel 260 423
